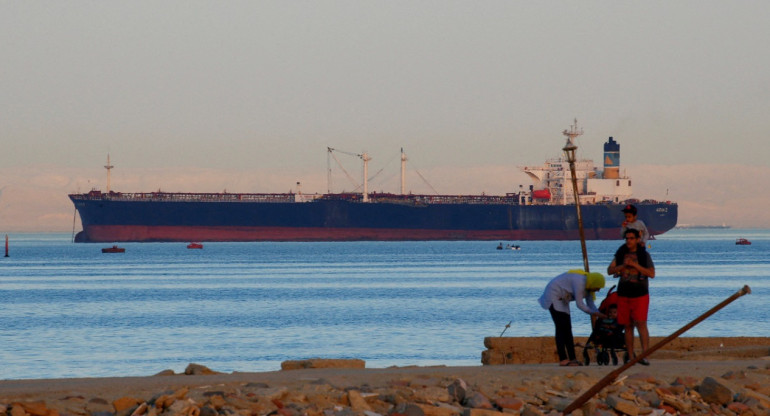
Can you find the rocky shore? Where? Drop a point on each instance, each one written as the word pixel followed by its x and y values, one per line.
pixel 725 386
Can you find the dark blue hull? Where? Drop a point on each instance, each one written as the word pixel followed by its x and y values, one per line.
pixel 107 219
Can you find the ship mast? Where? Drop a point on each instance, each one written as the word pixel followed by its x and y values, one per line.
pixel 403 171
pixel 572 133
pixel 109 167
pixel 365 157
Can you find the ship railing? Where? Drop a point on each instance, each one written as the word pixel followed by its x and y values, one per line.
pixel 412 199
pixel 453 199
pixel 188 197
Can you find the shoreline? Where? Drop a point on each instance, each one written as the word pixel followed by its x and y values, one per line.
pixel 491 390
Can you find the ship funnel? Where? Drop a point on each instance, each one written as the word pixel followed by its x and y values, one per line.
pixel 611 159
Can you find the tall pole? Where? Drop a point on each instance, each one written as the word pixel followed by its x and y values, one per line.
pixel 328 170
pixel 365 157
pixel 403 171
pixel 109 168
pixel 569 151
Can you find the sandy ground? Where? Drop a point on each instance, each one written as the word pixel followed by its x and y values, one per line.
pixel 493 376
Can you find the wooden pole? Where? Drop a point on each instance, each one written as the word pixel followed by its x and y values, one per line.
pixel 609 378
pixel 579 216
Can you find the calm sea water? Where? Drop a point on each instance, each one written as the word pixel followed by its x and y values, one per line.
pixel 67 310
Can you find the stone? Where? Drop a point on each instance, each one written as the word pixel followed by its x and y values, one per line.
pixel 431 410
pixel 125 403
pixel 532 411
pixel 271 393
pixel 738 407
pixel 357 402
pixel 198 370
pixel 35 408
pixel 432 395
pixel 509 403
pixel 477 400
pixel 763 399
pixel 166 372
pixel 622 405
pixel 680 405
pixel 651 398
pixel 559 403
pixel 217 401
pixel 17 410
pixel 208 411
pixel 457 390
pixel 407 409
pixel 179 407
pixel 482 412
pixel 712 391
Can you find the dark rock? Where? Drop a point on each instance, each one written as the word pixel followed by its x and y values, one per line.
pixel 407 409
pixel 477 400
pixel 208 411
pixel 712 391
pixel 457 390
pixel 651 398
pixel 198 370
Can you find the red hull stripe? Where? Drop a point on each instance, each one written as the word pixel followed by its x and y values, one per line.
pixel 113 233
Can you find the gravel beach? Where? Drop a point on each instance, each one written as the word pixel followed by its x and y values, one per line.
pixel 726 386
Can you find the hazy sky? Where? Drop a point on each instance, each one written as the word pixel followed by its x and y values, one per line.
pixel 238 87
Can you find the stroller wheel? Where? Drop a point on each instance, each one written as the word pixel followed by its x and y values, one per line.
pixel 603 358
pixel 586 357
pixel 614 357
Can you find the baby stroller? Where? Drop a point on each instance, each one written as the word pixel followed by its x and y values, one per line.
pixel 607 336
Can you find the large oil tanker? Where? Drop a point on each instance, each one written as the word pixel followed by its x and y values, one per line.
pixel 545 211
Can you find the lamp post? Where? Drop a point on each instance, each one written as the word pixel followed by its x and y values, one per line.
pixel 569 151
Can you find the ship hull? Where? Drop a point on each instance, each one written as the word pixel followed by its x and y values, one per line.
pixel 107 220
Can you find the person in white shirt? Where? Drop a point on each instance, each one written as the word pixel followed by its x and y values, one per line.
pixel 574 285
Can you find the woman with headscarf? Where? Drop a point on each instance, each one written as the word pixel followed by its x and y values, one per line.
pixel 574 285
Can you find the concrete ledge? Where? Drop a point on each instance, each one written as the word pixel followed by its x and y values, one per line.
pixel 322 363
pixel 536 350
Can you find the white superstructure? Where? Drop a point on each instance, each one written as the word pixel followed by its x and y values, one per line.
pixel 552 181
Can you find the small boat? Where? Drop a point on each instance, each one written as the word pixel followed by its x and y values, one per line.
pixel 515 247
pixel 742 242
pixel 195 245
pixel 114 249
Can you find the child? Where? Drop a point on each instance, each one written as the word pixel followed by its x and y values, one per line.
pixel 607 336
pixel 609 333
pixel 633 222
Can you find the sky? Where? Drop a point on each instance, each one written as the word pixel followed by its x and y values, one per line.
pixel 247 96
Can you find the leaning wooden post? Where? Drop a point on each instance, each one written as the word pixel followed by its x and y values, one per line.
pixel 609 378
